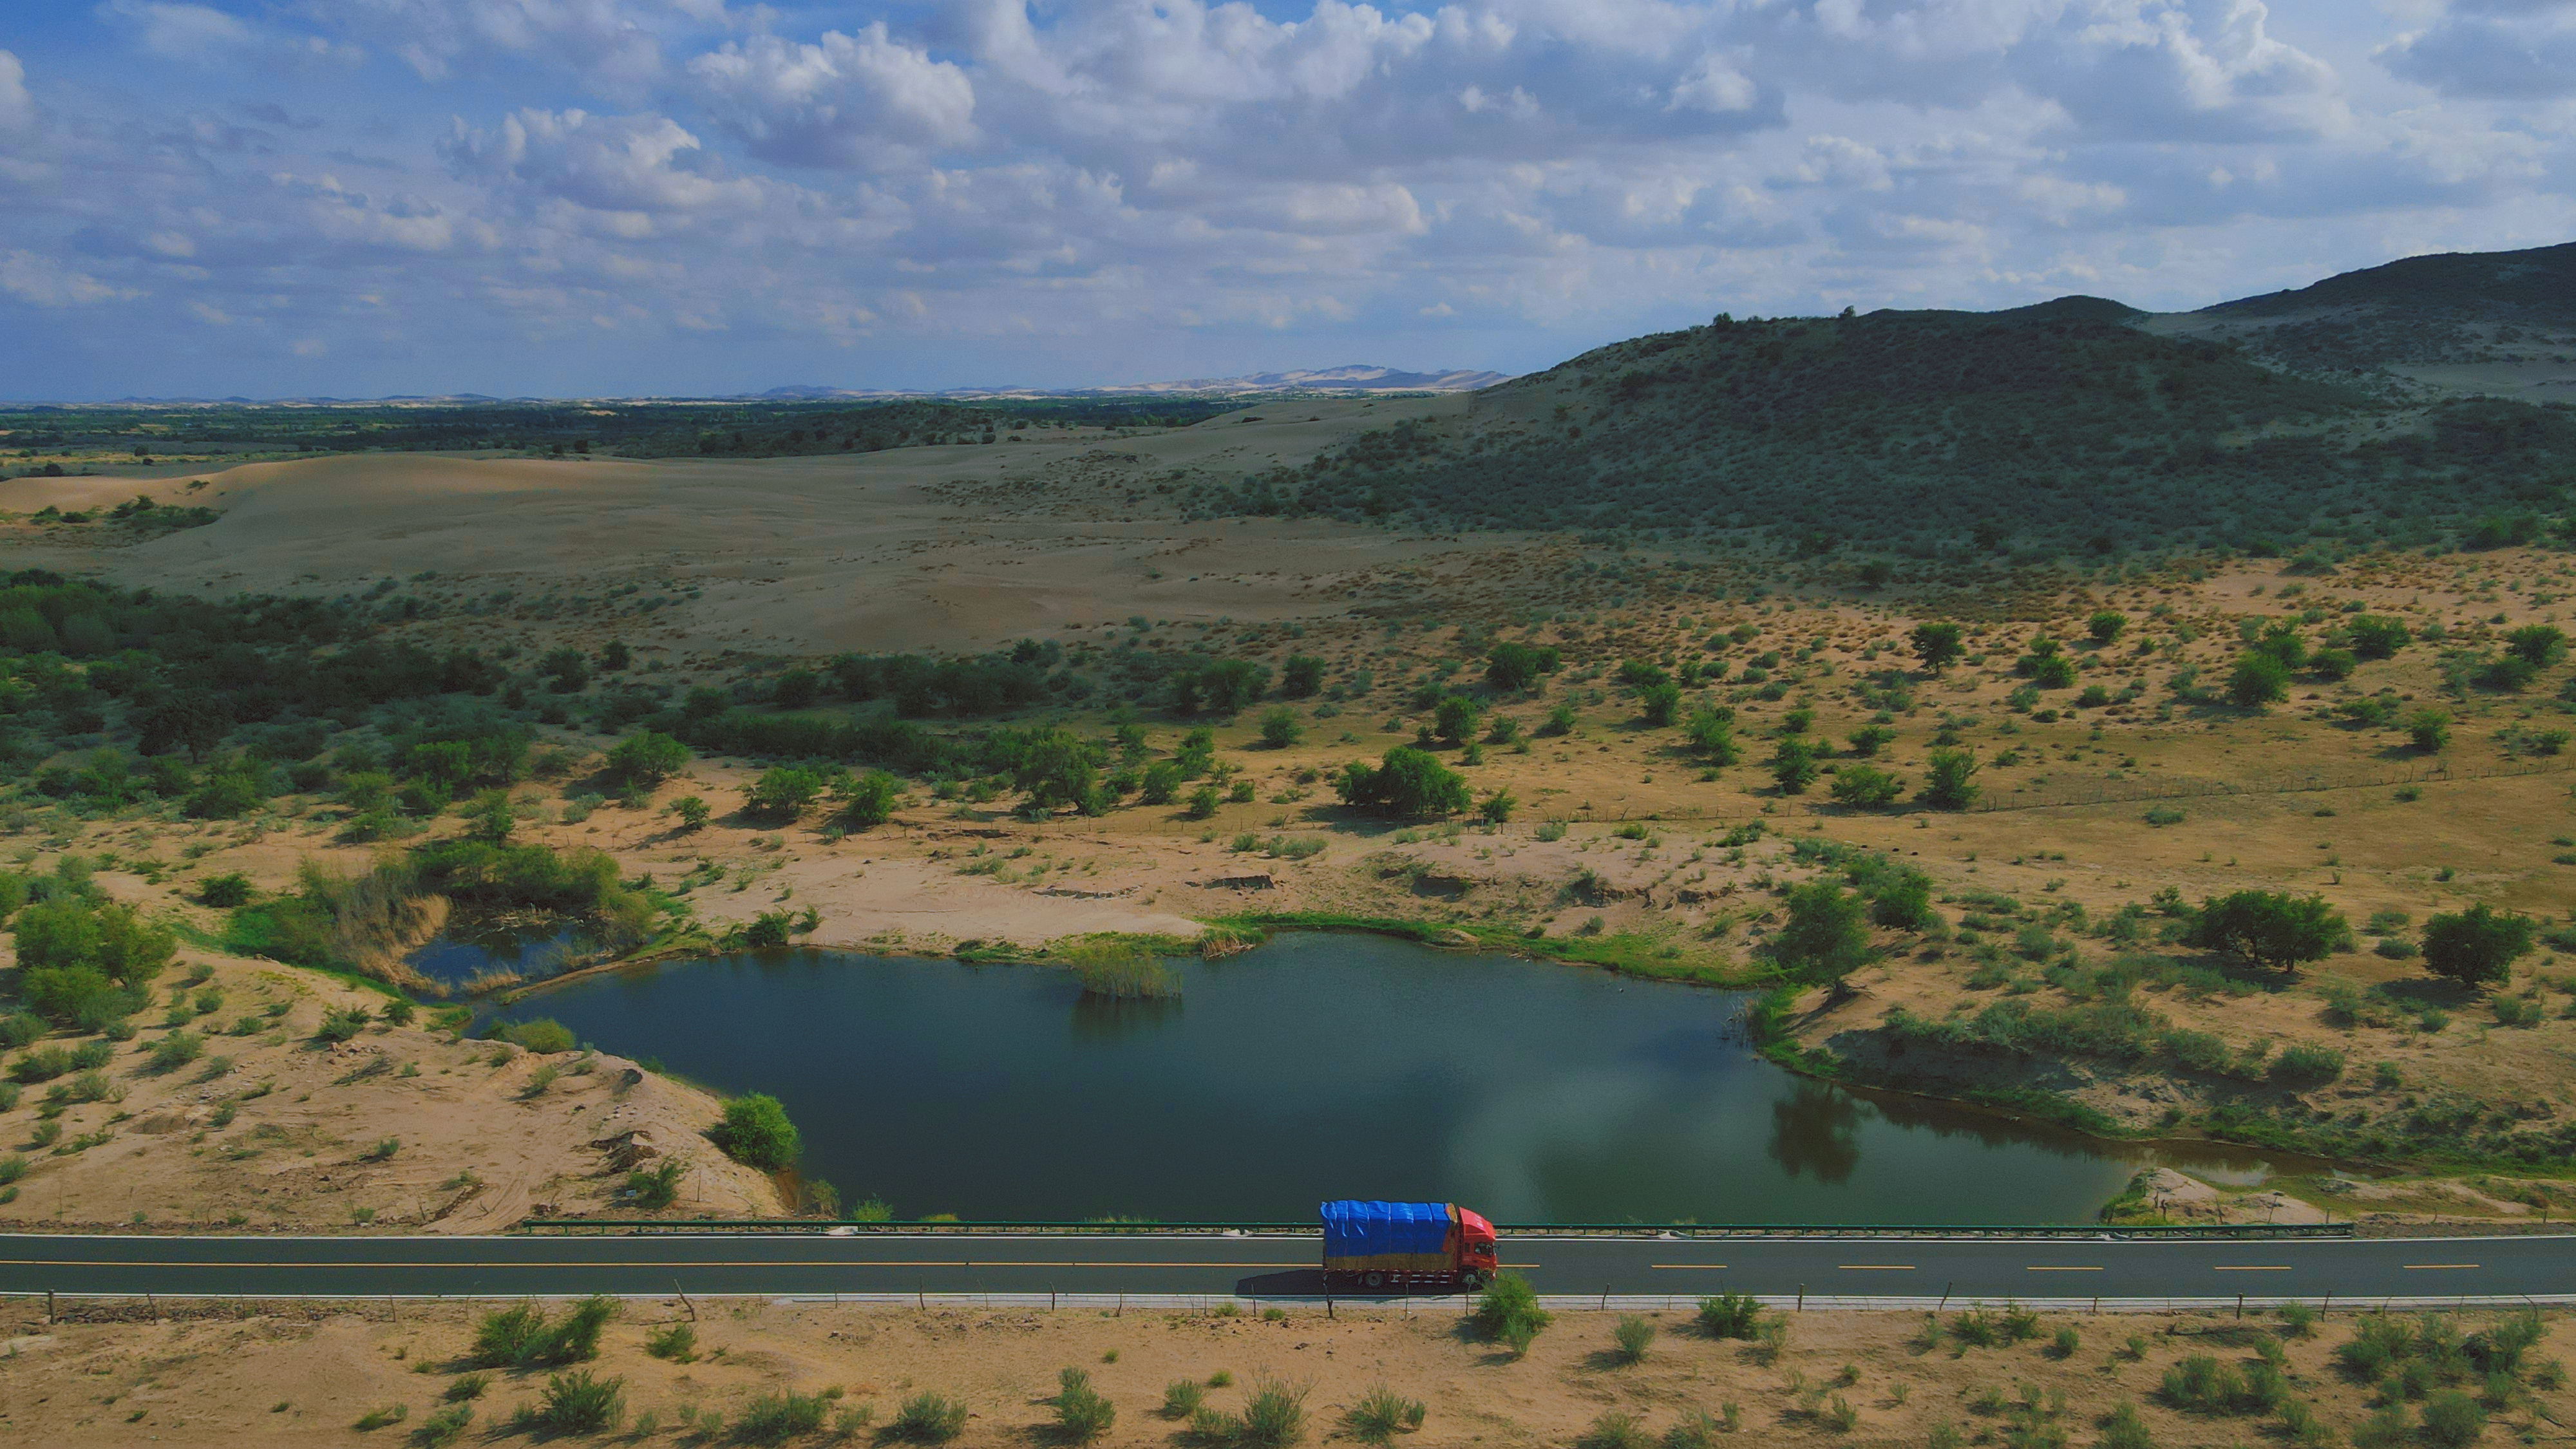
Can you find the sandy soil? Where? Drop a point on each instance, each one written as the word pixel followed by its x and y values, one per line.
pixel 298 1374
pixel 274 1128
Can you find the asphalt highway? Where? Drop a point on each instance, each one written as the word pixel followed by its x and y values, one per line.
pixel 1279 1265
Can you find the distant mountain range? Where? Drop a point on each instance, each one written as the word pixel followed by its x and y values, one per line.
pixel 1354 377
pixel 2425 401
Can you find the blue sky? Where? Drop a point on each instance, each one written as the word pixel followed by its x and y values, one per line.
pixel 270 198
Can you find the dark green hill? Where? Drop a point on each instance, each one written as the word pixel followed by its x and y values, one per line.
pixel 2532 287
pixel 2056 427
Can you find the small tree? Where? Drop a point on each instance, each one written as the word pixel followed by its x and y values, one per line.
pixel 2376 636
pixel 868 799
pixel 1826 937
pixel 1866 786
pixel 756 1133
pixel 1280 729
pixel 1938 645
pixel 647 759
pixel 784 791
pixel 2258 680
pixel 2106 625
pixel 1456 718
pixel 491 817
pixel 1712 733
pixel 1659 702
pixel 1950 780
pixel 692 812
pixel 1301 676
pixel 1410 782
pixel 2430 729
pixel 1793 765
pixel 2476 945
pixel 1498 807
pixel 1518 666
pixel 2538 645
pixel 2269 927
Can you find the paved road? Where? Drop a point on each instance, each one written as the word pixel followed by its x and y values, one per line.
pixel 1279 1265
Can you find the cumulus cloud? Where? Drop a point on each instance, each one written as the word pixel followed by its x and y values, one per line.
pixel 608 163
pixel 48 283
pixel 860 101
pixel 1117 179
pixel 17 108
pixel 2495 49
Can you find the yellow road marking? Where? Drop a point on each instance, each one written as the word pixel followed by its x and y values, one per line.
pixel 1875 1267
pixel 2251 1268
pixel 2418 1267
pixel 2054 1268
pixel 657 1263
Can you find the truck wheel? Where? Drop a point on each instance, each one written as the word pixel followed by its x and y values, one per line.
pixel 1376 1280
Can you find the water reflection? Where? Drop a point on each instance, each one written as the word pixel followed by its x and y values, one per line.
pixel 1816 1131
pixel 1315 1067
pixel 1112 1019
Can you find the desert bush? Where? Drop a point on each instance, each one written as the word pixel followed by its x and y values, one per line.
pixel 656 1187
pixel 1697 1429
pixel 2452 1420
pixel 2200 1384
pixel 677 1342
pixel 176 1050
pixel 578 1403
pixel 2123 1429
pixel 1182 1398
pixel 467 1386
pixel 1380 1414
pixel 1508 1313
pixel 2476 945
pixel 2307 1062
pixel 927 1417
pixel 1730 1315
pixel 444 1427
pixel 756 1133
pixel 1082 1413
pixel 1632 1336
pixel 779 1417
pixel 1616 1429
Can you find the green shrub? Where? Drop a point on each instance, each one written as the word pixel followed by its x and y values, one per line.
pixel 579 1403
pixel 1182 1398
pixel 1632 1336
pixel 2269 927
pixel 777 1418
pixel 2307 1062
pixel 1698 1429
pixel 375 1419
pixel 1082 1413
pixel 544 1036
pixel 224 892
pixel 444 1427
pixel 756 1133
pixel 2123 1429
pixel 657 1187
pixel 927 1418
pixel 1380 1414
pixel 520 1335
pixel 1617 1429
pixel 2476 945
pixel 2201 1384
pixel 13 1166
pixel 1508 1312
pixel 469 1386
pixel 677 1342
pixel 1730 1315
pixel 2452 1420
pixel 177 1050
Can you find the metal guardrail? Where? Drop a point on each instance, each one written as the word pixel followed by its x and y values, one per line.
pixel 1309 1229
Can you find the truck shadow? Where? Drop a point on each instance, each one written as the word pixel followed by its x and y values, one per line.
pixel 1309 1283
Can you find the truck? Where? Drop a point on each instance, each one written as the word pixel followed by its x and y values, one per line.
pixel 1406 1245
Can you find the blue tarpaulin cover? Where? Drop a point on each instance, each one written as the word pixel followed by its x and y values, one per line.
pixel 1354 1229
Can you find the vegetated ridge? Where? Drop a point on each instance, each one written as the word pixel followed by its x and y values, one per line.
pixel 2070 425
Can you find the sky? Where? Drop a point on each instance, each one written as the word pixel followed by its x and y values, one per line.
pixel 591 198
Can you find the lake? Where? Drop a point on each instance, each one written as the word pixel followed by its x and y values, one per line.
pixel 1320 1066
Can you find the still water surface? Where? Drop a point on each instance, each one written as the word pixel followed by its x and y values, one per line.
pixel 1316 1066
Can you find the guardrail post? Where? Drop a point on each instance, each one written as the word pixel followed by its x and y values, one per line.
pixel 1802 1298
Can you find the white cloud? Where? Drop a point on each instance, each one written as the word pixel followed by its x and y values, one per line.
pixel 608 163
pixel 1117 179
pixel 48 283
pixel 17 108
pixel 859 101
